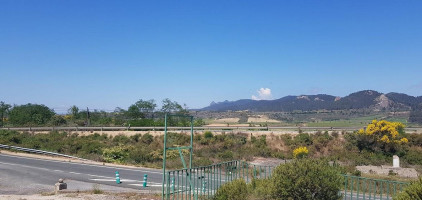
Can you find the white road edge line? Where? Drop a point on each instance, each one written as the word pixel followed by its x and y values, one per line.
pixel 85 164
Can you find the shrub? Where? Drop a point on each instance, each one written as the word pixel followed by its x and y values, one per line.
pixel 334 134
pixel 413 191
pixel 226 155
pixel 261 189
pixel 303 139
pixel 300 152
pixel 115 154
pixel 147 138
pixel 413 156
pixel 235 190
pixel 306 179
pixel 357 173
pixel 382 135
pixel 208 134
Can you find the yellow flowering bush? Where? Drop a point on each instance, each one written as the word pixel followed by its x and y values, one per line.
pixel 300 152
pixel 382 135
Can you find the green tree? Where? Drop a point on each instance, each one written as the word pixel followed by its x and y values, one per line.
pixel 4 108
pixel 141 109
pixel 146 107
pixel 73 111
pixel 171 107
pixel 133 112
pixel 30 114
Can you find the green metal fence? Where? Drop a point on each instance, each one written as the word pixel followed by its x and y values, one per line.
pixel 356 187
pixel 203 182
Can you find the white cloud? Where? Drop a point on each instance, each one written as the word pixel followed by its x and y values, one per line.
pixel 263 94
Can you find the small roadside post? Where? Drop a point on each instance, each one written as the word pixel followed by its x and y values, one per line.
pixel 117 177
pixel 145 180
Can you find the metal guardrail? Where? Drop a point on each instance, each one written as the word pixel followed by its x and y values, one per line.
pixel 203 182
pixel 356 187
pixel 158 128
pixel 198 128
pixel 39 151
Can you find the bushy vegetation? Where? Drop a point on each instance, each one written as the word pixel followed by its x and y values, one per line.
pixel 30 115
pixel 300 152
pixel 306 179
pixel 146 149
pixel 141 149
pixel 141 113
pixel 235 190
pixel 411 192
pixel 302 179
pixel 384 136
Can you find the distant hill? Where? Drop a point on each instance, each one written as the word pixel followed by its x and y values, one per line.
pixel 363 99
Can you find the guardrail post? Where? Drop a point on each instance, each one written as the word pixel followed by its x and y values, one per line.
pixel 145 180
pixel 117 177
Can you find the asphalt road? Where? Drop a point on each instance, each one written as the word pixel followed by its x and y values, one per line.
pixel 23 175
pixel 18 173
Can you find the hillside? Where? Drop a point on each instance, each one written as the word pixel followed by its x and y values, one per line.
pixel 369 99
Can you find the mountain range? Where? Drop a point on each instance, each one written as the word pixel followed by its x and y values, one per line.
pixel 368 99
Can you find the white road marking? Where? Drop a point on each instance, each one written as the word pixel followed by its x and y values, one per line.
pixel 83 164
pixel 40 168
pixel 148 185
pixel 45 169
pixel 113 180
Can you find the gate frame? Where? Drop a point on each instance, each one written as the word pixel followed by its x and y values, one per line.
pixel 177 148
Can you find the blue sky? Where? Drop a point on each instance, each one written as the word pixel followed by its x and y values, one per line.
pixel 105 54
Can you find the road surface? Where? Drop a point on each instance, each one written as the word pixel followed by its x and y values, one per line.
pixel 24 175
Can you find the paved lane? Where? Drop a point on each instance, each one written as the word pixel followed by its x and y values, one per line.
pixel 46 172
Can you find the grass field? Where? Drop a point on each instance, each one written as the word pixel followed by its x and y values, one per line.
pixel 355 122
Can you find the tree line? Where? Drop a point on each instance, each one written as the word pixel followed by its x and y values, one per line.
pixel 141 113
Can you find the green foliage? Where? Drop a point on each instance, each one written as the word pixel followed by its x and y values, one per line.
pixel 147 138
pixel 30 115
pixel 172 107
pixel 303 139
pixel 142 122
pixel 413 156
pixel 201 161
pixel 198 122
pixel 260 189
pixel 226 155
pixel 208 135
pixel 306 179
pixel 74 112
pixel 116 154
pixel 57 120
pixel 411 192
pixel 133 112
pixel 235 190
pixel 4 108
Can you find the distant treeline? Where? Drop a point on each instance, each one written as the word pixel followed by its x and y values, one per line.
pixel 141 113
